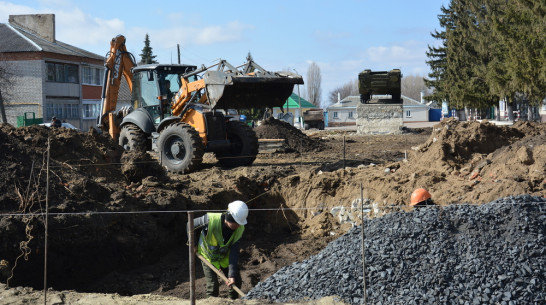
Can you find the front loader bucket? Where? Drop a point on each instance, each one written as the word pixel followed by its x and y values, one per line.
pixel 235 91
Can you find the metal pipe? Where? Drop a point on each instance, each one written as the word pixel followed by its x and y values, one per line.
pixel 192 257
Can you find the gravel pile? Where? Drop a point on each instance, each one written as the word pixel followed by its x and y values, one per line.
pixel 460 254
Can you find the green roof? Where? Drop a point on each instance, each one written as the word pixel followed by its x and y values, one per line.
pixel 294 102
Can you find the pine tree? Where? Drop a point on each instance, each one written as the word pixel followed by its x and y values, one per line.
pixel 147 57
pixel 521 27
pixel 437 64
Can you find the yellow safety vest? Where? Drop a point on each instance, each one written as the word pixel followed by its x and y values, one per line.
pixel 212 246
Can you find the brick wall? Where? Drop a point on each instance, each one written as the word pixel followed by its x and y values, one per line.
pixel 25 93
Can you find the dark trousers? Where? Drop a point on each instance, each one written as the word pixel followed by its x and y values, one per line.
pixel 212 282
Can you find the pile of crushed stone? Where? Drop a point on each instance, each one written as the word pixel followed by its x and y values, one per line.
pixel 460 254
pixel 296 140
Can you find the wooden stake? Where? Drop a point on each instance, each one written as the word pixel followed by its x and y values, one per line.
pixel 192 258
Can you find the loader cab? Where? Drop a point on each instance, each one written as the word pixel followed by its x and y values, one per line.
pixel 155 85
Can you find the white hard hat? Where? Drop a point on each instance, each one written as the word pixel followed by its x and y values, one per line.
pixel 239 211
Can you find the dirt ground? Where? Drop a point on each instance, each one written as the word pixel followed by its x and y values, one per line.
pixel 117 228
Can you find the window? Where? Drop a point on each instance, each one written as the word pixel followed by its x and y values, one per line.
pixel 90 109
pixel 62 73
pixel 335 114
pixel 350 114
pixel 92 76
pixel 408 113
pixel 63 111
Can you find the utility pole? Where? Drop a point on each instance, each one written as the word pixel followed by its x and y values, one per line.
pixel 178 47
pixel 300 118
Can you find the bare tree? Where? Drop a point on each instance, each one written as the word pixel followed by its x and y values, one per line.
pixel 5 83
pixel 348 89
pixel 313 84
pixel 413 85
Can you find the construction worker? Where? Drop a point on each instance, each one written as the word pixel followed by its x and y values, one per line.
pixel 218 242
pixel 421 198
pixel 56 122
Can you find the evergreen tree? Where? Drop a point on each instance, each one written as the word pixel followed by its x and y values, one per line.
pixel 147 57
pixel 521 28
pixel 437 63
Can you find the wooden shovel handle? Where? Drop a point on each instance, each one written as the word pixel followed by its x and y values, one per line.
pixel 220 274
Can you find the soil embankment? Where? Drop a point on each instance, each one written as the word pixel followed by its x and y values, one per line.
pixel 112 233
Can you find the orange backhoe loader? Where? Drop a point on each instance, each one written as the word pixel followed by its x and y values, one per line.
pixel 178 110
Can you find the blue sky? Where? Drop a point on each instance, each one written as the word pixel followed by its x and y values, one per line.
pixel 343 37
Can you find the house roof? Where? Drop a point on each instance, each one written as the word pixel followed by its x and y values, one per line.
pixel 15 40
pixel 349 102
pixel 294 100
pixel 408 101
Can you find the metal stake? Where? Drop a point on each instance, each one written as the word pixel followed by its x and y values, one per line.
pixel 363 249
pixel 343 153
pixel 192 257
pixel 46 224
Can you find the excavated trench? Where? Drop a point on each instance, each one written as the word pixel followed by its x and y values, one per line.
pixel 117 223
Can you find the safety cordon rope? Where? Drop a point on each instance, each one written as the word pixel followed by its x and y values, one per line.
pixel 89 213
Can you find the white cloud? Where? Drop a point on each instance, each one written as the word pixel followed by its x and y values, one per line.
pixel 80 29
pixel 8 8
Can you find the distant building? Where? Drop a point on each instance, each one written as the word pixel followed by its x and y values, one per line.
pixel 343 113
pixel 295 105
pixel 49 77
pixel 414 111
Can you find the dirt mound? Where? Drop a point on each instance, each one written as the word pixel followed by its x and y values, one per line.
pixel 74 157
pixel 137 165
pixel 461 162
pixel 453 143
pixel 85 177
pixel 295 139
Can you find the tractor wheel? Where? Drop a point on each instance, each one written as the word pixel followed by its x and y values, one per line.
pixel 180 148
pixel 132 138
pixel 243 148
pixel 321 126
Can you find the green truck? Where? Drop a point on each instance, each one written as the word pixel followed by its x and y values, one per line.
pixel 378 83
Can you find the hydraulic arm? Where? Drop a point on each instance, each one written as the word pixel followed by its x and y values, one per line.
pixel 118 62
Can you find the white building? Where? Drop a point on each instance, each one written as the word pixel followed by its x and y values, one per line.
pixel 415 111
pixel 343 113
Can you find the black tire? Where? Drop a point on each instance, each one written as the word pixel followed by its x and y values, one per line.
pixel 132 138
pixel 243 148
pixel 321 126
pixel 180 148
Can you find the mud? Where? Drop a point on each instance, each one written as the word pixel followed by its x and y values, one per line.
pixel 125 241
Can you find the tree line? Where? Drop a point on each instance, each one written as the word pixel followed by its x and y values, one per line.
pixel 489 50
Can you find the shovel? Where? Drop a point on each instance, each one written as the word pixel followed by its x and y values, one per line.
pixel 220 274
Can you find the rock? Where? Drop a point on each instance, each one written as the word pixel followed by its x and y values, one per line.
pixel 525 156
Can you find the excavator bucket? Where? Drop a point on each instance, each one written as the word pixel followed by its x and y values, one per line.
pixel 251 87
